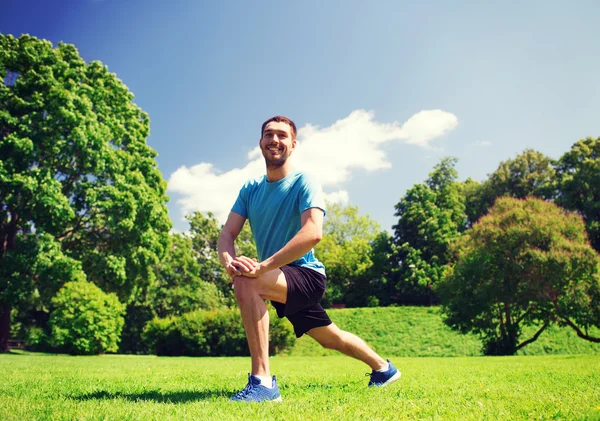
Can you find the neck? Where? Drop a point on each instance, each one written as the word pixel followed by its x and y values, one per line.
pixel 279 173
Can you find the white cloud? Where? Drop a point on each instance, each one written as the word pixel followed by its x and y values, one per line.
pixel 205 189
pixel 340 196
pixel 329 153
pixel 483 143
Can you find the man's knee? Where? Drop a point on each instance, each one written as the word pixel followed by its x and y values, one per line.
pixel 242 286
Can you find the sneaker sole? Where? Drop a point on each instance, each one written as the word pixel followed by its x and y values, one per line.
pixel 266 400
pixel 392 379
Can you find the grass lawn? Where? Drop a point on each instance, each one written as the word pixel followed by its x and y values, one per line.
pixel 37 386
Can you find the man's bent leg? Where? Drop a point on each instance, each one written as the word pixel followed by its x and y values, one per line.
pixel 250 294
pixel 333 337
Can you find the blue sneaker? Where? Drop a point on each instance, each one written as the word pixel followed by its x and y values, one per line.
pixel 255 392
pixel 380 379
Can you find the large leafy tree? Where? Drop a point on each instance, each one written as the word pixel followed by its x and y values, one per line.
pixel 527 262
pixel 430 217
pixel 579 184
pixel 345 250
pixel 531 173
pixel 76 176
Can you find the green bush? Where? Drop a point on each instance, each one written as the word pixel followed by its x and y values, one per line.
pixel 37 340
pixel 85 320
pixel 162 336
pixel 211 333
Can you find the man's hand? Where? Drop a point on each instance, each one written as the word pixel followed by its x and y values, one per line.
pixel 232 270
pixel 246 267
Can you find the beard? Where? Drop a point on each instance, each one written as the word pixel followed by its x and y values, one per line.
pixel 273 164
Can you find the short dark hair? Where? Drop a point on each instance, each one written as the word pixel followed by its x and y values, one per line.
pixel 279 119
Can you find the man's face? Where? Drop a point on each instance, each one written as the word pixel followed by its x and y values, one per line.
pixel 277 143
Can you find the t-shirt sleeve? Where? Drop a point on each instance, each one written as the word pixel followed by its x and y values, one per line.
pixel 241 204
pixel 311 195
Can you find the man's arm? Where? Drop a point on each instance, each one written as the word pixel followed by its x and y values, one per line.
pixel 226 242
pixel 309 236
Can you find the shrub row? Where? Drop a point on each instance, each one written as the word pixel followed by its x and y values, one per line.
pixel 85 320
pixel 211 333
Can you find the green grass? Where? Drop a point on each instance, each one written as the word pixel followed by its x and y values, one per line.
pixel 46 387
pixel 466 387
pixel 420 332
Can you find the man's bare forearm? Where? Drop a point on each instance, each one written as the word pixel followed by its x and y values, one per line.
pixel 308 237
pixel 226 248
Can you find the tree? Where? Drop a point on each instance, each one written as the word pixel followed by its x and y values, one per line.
pixel 30 275
pixel 476 198
pixel 179 288
pixel 189 278
pixel 579 184
pixel 244 243
pixel 204 232
pixel 176 289
pixel 527 262
pixel 345 250
pixel 376 289
pixel 76 171
pixel 430 217
pixel 529 174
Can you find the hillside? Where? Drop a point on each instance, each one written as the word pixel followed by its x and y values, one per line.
pixel 420 332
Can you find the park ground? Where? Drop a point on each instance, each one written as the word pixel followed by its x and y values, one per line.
pixel 118 387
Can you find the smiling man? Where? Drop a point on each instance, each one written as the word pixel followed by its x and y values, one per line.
pixel 285 209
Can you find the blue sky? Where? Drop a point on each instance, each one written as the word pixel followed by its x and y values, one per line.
pixel 381 90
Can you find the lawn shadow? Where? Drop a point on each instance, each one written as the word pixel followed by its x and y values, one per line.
pixel 157 396
pixel 188 396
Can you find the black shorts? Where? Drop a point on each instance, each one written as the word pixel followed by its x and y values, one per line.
pixel 305 288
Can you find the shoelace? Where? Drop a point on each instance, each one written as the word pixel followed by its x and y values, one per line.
pixel 242 393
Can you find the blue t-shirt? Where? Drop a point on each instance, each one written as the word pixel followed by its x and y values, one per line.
pixel 273 210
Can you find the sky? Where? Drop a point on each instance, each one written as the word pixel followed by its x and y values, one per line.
pixel 380 91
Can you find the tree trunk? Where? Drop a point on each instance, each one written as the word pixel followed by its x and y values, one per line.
pixel 5 311
pixel 9 237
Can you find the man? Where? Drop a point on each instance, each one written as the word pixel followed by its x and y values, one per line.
pixel 285 209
